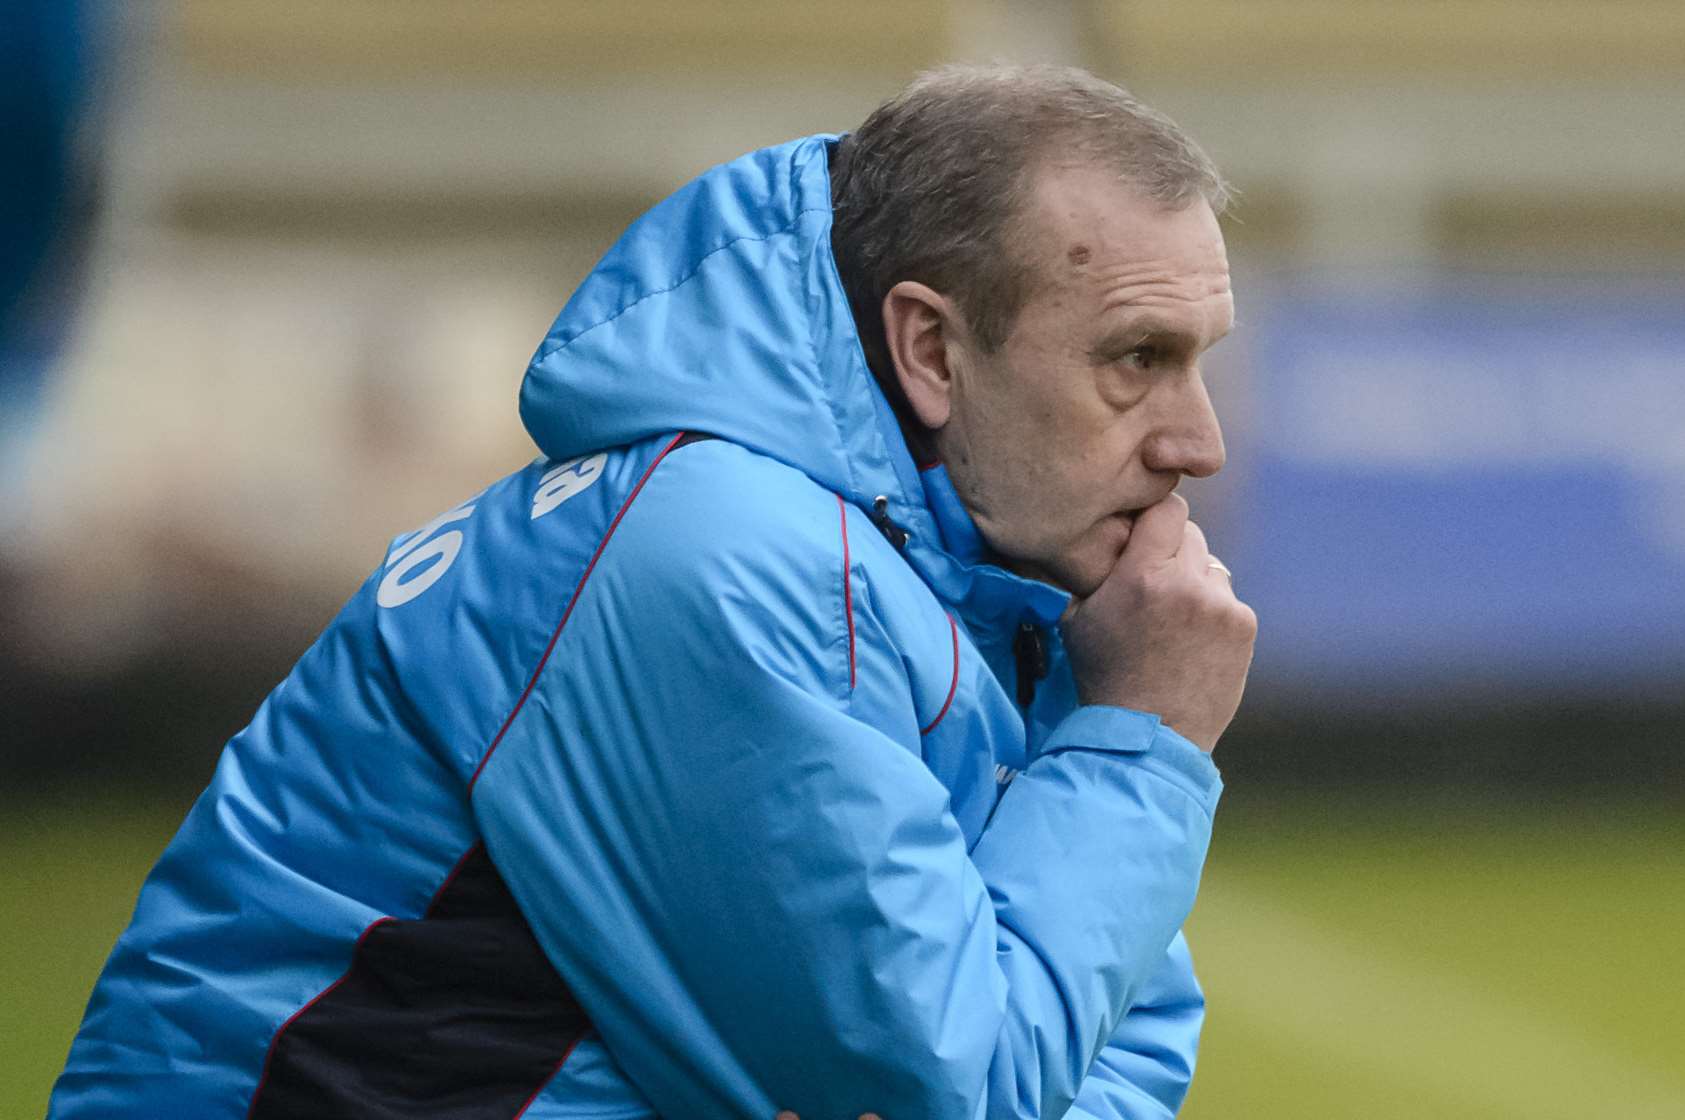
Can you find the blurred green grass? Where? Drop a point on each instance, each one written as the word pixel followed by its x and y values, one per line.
pixel 70 871
pixel 1362 958
pixel 1400 959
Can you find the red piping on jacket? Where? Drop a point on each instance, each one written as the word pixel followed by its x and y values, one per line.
pixel 560 1062
pixel 450 877
pixel 953 685
pixel 275 1040
pixel 848 596
pixel 269 1055
pixel 572 602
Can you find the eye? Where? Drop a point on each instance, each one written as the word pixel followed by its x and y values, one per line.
pixel 1145 356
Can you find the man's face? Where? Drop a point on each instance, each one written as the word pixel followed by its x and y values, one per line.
pixel 1094 407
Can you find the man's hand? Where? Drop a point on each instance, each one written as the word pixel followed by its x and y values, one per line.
pixel 1164 633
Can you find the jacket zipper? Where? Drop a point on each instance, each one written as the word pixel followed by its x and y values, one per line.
pixel 1029 651
pixel 893 533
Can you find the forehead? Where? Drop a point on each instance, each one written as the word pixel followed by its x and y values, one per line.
pixel 1089 233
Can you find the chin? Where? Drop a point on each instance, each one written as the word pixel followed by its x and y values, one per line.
pixel 1080 573
pixel 1081 568
pixel 1084 580
pixel 1085 567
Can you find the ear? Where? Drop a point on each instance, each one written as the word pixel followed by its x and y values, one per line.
pixel 919 324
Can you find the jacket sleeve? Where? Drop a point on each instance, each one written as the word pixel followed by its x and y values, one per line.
pixel 758 894
pixel 1144 1070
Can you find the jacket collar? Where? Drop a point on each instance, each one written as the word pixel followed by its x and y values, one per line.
pixel 958 570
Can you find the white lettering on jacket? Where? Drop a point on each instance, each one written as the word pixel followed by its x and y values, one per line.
pixel 564 480
pixel 400 584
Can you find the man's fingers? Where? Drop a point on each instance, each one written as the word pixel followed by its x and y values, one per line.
pixel 1197 560
pixel 1158 532
pixel 1194 552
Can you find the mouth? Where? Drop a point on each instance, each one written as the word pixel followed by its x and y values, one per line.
pixel 1125 522
pixel 1125 518
pixel 1128 516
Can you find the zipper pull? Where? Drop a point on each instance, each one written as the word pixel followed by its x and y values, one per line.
pixel 1029 650
pixel 892 532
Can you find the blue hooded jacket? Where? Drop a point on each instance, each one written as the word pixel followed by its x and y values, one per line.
pixel 678 776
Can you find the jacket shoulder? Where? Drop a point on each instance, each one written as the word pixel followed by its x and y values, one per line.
pixel 755 552
pixel 459 615
pixel 732 549
pixel 712 498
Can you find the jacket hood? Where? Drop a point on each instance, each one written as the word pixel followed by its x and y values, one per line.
pixel 721 311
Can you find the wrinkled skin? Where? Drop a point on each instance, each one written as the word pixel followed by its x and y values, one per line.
pixel 1094 407
pixel 1066 442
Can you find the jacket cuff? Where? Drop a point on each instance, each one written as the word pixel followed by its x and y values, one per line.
pixel 1101 727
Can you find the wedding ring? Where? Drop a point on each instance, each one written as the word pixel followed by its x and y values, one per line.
pixel 1214 564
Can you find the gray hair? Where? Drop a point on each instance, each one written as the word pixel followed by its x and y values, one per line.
pixel 929 187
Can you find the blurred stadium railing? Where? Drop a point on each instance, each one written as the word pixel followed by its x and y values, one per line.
pixel 334 230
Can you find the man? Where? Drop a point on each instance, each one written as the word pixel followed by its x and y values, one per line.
pixel 727 761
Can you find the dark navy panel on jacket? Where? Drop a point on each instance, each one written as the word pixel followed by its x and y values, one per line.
pixel 454 1014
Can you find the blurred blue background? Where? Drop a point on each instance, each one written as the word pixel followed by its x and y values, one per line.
pixel 1469 482
pixel 273 272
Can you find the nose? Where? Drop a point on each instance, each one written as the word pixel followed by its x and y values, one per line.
pixel 1188 438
